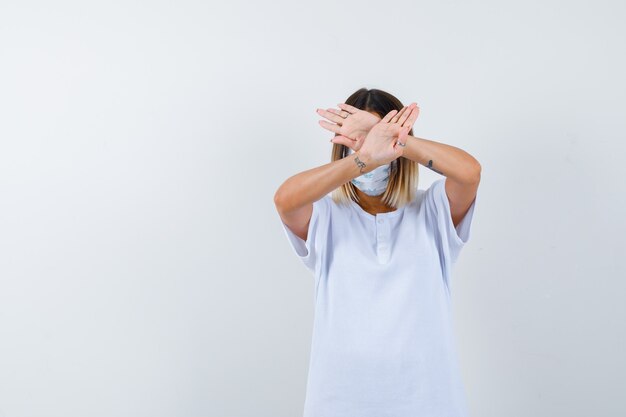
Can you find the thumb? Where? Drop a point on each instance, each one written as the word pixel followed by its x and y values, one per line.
pixel 402 136
pixel 343 140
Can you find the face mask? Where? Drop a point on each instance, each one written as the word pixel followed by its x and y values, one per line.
pixel 374 182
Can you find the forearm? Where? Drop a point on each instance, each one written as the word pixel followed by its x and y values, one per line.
pixel 446 160
pixel 309 186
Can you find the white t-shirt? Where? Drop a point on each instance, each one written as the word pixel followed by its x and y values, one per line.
pixel 383 342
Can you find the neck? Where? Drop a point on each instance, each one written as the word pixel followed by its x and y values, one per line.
pixel 373 204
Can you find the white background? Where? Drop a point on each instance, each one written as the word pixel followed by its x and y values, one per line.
pixel 143 269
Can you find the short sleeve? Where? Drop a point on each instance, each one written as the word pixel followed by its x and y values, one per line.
pixel 311 251
pixel 450 239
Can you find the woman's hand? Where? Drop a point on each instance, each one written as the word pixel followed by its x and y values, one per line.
pixel 384 141
pixel 351 124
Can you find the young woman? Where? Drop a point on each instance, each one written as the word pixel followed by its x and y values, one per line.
pixel 381 252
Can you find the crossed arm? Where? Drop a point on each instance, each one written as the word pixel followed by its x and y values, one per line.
pixel 379 145
pixel 462 170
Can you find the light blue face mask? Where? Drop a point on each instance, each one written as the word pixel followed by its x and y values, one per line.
pixel 374 182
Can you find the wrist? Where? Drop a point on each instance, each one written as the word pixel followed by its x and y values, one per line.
pixel 363 161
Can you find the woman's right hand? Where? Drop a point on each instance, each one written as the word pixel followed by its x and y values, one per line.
pixel 380 146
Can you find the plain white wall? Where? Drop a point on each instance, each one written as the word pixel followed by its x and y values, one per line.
pixel 143 269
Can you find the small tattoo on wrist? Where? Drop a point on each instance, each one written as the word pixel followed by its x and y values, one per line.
pixel 360 163
pixel 430 166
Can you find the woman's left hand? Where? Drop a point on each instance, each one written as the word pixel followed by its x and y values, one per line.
pixel 351 125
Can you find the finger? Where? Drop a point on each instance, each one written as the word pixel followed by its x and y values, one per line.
pixel 342 114
pixel 397 116
pixel 330 116
pixel 344 140
pixel 389 116
pixel 330 126
pixel 403 135
pixel 406 114
pixel 350 109
pixel 412 117
pixel 358 143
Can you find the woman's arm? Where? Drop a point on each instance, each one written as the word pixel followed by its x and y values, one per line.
pixel 447 160
pixel 452 162
pixel 295 197
pixel 462 171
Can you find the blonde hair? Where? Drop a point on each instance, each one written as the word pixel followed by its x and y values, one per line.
pixel 404 173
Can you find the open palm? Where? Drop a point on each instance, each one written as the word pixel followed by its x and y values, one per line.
pixel 351 125
pixel 384 141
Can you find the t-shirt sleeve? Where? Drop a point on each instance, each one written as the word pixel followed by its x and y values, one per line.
pixel 450 239
pixel 311 251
